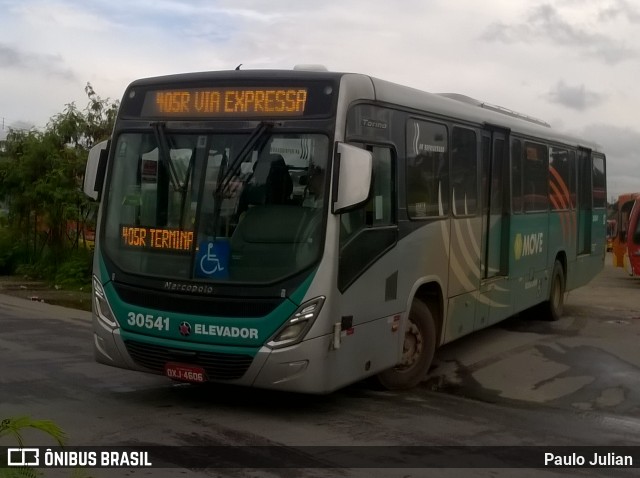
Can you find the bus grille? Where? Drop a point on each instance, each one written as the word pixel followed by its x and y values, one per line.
pixel 219 366
pixel 197 304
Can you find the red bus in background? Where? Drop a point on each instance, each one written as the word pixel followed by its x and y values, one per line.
pixel 632 257
pixel 623 207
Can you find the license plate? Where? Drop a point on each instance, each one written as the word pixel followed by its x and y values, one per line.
pixel 185 373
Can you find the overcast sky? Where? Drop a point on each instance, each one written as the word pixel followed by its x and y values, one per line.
pixel 573 63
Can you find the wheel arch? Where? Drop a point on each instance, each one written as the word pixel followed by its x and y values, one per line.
pixel 561 257
pixel 431 294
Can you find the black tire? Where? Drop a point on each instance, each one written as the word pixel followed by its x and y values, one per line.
pixel 419 349
pixel 553 308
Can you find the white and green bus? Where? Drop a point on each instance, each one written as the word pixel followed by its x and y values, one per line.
pixel 302 230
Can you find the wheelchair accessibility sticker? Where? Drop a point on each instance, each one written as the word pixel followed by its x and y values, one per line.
pixel 212 260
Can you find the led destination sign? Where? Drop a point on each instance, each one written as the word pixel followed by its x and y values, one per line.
pixel 219 102
pixel 156 239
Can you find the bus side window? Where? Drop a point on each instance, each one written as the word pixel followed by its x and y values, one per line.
pixel 366 232
pixel 516 175
pixel 464 171
pixel 536 175
pixel 378 211
pixel 427 170
pixel 599 182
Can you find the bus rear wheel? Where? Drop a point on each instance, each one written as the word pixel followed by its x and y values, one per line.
pixel 418 350
pixel 554 306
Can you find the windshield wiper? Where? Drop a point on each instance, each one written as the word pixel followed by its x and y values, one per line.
pixel 229 169
pixel 234 165
pixel 164 155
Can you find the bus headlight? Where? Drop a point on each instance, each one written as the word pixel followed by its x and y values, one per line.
pixel 294 330
pixel 102 307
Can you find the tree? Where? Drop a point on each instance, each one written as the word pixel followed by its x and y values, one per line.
pixel 40 178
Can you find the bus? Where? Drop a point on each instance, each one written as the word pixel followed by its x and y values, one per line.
pixel 632 259
pixel 626 242
pixel 622 208
pixel 303 230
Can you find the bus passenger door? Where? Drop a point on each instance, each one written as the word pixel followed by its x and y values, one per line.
pixel 494 184
pixel 494 301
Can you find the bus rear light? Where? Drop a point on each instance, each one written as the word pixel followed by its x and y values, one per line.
pixel 102 308
pixel 294 330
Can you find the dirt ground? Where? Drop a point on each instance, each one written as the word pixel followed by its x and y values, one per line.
pixel 77 298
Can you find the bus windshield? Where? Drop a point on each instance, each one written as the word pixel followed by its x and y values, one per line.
pixel 220 207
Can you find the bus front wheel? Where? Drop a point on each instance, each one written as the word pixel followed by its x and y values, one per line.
pixel 418 350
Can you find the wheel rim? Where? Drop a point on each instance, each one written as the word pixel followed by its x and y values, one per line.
pixel 412 347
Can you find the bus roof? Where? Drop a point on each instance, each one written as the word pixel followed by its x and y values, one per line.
pixel 449 105
pixel 461 107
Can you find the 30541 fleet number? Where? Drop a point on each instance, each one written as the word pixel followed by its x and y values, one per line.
pixel 148 321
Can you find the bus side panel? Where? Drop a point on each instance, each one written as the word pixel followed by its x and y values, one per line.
pixel 376 305
pixel 562 235
pixel 495 295
pixel 599 234
pixel 589 264
pixel 318 366
pixel 465 275
pixel 562 221
pixel 369 305
pixel 528 259
pixel 599 243
pixel 461 316
pixel 465 260
pixel 387 287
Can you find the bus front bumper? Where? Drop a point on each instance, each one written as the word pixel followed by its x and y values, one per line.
pixel 300 368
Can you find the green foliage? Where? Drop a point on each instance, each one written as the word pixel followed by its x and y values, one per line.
pixel 11 251
pixel 76 270
pixel 21 472
pixel 40 182
pixel 14 428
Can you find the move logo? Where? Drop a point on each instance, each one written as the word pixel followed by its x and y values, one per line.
pixel 528 244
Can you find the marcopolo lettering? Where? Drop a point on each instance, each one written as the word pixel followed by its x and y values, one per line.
pixel 191 288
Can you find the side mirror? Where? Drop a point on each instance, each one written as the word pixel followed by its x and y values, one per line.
pixel 95 169
pixel 352 177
